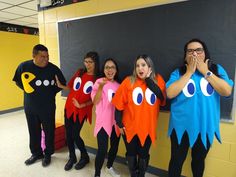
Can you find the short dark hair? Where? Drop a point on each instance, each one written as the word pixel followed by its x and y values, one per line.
pixel 39 47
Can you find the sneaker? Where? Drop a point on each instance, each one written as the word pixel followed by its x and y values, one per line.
pixel 112 172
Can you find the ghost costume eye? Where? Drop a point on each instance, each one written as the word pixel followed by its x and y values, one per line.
pixel 137 95
pixel 150 97
pixel 77 83
pixel 189 89
pixel 88 87
pixel 206 87
pixel 110 94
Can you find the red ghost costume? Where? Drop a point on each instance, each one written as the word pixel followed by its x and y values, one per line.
pixel 80 89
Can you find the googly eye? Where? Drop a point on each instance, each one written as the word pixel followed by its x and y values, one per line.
pixel 150 97
pixel 110 93
pixel 88 87
pixel 77 83
pixel 52 82
pixel 46 82
pixel 38 82
pixel 137 95
pixel 206 87
pixel 189 88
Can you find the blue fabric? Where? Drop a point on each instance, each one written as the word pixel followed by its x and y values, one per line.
pixel 197 108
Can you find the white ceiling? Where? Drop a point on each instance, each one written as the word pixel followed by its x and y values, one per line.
pixel 19 12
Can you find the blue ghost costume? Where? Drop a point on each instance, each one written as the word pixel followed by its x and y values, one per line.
pixel 197 108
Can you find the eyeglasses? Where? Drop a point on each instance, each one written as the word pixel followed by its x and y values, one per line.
pixel 109 67
pixel 88 61
pixel 197 50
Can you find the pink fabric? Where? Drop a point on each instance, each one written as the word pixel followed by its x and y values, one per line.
pixel 43 146
pixel 105 111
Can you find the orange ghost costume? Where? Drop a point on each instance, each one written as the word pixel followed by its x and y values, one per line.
pixel 140 108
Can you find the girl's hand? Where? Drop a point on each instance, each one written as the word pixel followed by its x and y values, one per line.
pixel 102 83
pixel 149 72
pixel 58 82
pixel 76 103
pixel 192 64
pixel 202 66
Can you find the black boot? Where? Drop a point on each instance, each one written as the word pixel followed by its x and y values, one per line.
pixel 142 166
pixel 84 159
pixel 70 164
pixel 132 164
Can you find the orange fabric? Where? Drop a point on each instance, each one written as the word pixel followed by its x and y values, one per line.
pixel 138 119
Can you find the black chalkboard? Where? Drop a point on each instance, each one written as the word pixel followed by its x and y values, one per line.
pixel 159 31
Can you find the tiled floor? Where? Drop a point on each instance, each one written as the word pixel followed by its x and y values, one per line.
pixel 14 150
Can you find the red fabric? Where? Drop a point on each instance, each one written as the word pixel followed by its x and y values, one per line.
pixel 80 96
pixel 140 120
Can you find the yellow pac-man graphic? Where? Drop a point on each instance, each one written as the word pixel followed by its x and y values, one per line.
pixel 26 78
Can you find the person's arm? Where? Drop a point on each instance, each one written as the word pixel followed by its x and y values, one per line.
pixel 60 85
pixel 118 119
pixel 221 86
pixel 98 94
pixel 154 88
pixel 81 105
pixel 175 88
pixel 17 78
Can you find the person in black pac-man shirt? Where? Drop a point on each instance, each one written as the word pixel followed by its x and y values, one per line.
pixel 37 79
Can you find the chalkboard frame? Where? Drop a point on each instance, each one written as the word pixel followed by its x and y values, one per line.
pixel 171 42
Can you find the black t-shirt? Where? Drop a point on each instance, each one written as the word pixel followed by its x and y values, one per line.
pixel 39 86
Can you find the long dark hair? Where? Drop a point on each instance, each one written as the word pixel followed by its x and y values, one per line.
pixel 116 77
pixel 95 57
pixel 211 66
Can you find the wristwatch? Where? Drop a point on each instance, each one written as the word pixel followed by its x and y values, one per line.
pixel 208 74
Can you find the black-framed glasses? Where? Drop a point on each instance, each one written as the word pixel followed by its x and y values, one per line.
pixel 109 67
pixel 88 61
pixel 197 50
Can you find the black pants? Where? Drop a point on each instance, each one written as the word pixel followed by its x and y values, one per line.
pixel 35 124
pixel 179 153
pixel 134 148
pixel 73 136
pixel 102 140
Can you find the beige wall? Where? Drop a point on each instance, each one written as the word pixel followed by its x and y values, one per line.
pixel 14 48
pixel 221 161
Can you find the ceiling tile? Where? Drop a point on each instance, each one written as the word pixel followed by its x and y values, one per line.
pixel 20 11
pixel 17 22
pixel 4 5
pixel 9 15
pixel 34 16
pixel 2 19
pixel 30 5
pixel 28 19
pixel 14 1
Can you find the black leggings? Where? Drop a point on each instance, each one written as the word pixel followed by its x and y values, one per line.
pixel 102 140
pixel 179 153
pixel 73 136
pixel 135 148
